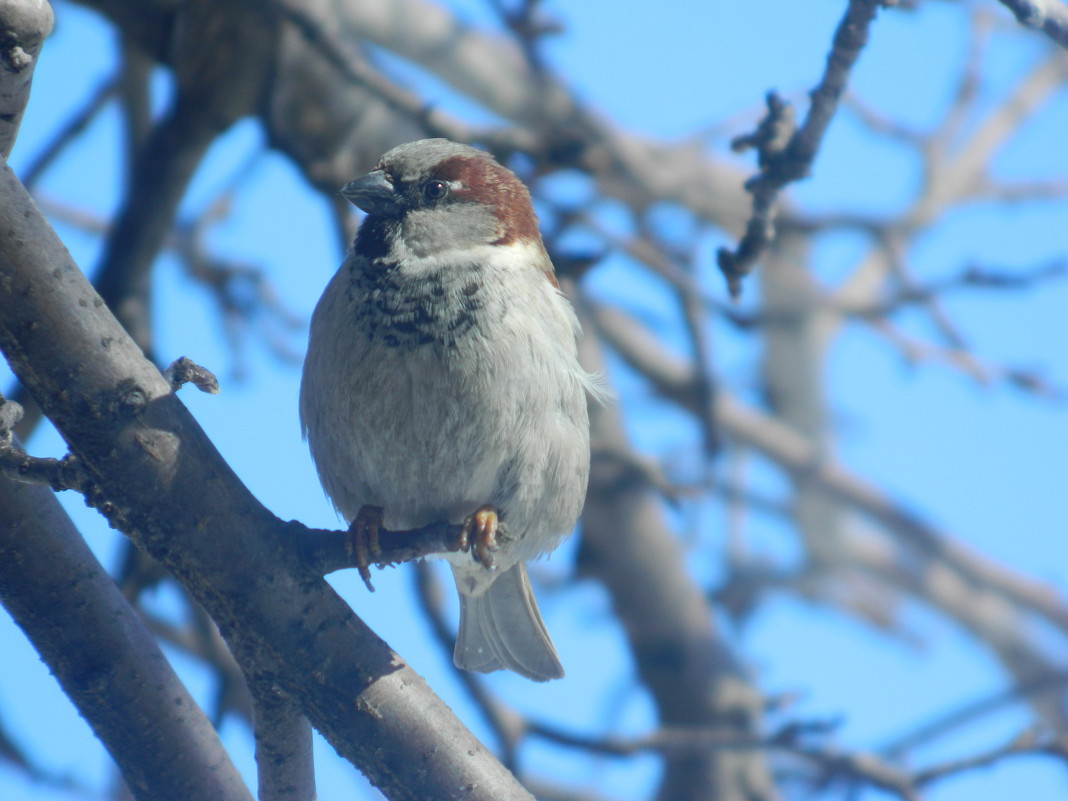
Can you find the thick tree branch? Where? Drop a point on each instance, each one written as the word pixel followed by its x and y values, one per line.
pixel 505 723
pixel 106 661
pixel 284 760
pixel 321 551
pixel 166 485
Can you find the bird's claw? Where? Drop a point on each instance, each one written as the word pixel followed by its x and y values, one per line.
pixel 481 533
pixel 362 543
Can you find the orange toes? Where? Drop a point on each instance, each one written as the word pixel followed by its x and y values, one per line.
pixel 362 544
pixel 480 532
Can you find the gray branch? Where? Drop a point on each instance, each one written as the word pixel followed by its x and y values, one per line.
pixel 163 483
pixel 283 747
pixel 1048 16
pixel 786 155
pixel 106 661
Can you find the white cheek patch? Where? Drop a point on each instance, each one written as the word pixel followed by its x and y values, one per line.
pixel 506 258
pixel 520 257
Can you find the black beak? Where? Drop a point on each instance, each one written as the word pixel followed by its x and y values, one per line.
pixel 373 193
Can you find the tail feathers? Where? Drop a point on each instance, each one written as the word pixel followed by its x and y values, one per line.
pixel 502 628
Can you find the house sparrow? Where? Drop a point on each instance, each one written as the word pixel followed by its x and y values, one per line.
pixel 442 383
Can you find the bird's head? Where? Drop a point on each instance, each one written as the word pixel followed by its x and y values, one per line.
pixel 433 196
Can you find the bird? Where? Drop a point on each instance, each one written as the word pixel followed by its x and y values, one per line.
pixel 442 383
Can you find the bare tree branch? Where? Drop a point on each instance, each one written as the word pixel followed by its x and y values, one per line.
pixel 103 657
pixel 797 455
pixel 220 40
pixel 505 723
pixel 319 77
pixel 1027 743
pixel 786 155
pixel 1048 16
pixel 283 747
pixel 149 458
pixel 681 656
pixel 967 713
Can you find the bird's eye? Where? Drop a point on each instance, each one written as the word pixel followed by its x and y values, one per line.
pixel 436 190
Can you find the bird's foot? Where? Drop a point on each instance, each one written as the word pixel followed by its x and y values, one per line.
pixel 481 533
pixel 362 541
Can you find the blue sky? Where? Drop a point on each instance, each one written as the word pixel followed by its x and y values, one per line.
pixel 983 462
